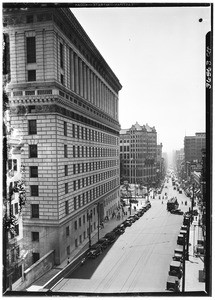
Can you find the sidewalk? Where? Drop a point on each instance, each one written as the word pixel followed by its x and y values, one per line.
pixel 108 226
pixel 194 266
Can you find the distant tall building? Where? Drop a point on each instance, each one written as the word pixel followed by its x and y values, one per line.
pixel 138 154
pixel 193 146
pixel 64 102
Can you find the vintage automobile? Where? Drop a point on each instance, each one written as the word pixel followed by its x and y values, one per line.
pixel 173 284
pixel 140 213
pixel 111 236
pixel 181 240
pixel 127 223
pixel 135 217
pixel 179 250
pixel 178 257
pixel 132 219
pixel 103 242
pixel 120 229
pixel 175 269
pixel 184 227
pixel 176 212
pixel 94 251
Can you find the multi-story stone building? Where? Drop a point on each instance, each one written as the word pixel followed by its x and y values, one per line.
pixel 64 103
pixel 193 146
pixel 138 153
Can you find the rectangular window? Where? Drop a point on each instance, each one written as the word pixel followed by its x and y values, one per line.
pixel 32 151
pixel 31 75
pixel 66 170
pixel 66 188
pixel 16 208
pixel 75 203
pixel 35 236
pixel 31 49
pixel 35 257
pixel 61 55
pixel 65 128
pixel 34 190
pixel 16 228
pixel 76 225
pixel 61 79
pixel 80 239
pixel 33 171
pixel 67 231
pixel 35 210
pixel 29 19
pixel 76 243
pixel 79 222
pixel 32 126
pixel 68 250
pixel 66 207
pixel 65 151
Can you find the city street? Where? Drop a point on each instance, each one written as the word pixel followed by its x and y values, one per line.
pixel 139 259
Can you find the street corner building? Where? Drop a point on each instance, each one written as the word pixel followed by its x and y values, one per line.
pixel 63 102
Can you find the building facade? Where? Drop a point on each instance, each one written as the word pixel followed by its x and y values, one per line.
pixel 193 146
pixel 64 103
pixel 138 154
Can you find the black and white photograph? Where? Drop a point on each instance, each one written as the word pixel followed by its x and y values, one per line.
pixel 107 149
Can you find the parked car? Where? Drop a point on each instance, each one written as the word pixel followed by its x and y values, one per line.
pixel 173 284
pixel 135 217
pixel 111 236
pixel 176 212
pixel 103 242
pixel 178 257
pixel 140 213
pixel 120 229
pixel 175 269
pixel 94 251
pixel 180 240
pixel 132 219
pixel 127 223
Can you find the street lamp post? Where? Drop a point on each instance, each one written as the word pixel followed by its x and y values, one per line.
pixel 89 217
pixel 98 206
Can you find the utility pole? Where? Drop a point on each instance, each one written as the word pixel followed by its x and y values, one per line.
pixel 89 215
pixel 192 202
pixel 98 218
pixel 183 276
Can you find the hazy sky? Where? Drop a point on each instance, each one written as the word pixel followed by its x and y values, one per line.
pixel 158 55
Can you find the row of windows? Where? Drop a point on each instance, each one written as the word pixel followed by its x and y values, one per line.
pixel 79 168
pixel 82 199
pixel 80 183
pixel 79 132
pixel 91 166
pixel 79 151
pixel 82 151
